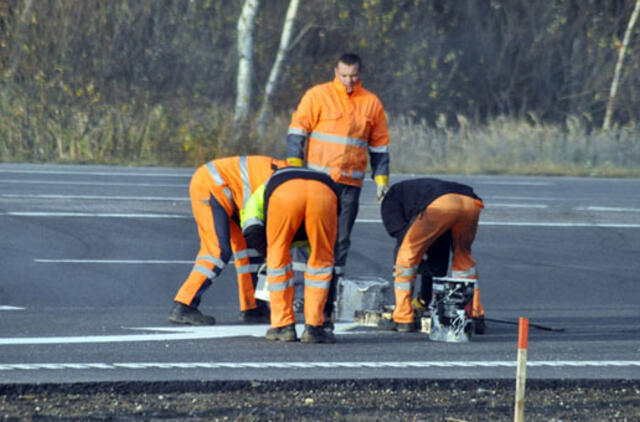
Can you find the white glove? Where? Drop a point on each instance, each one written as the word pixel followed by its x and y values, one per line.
pixel 381 191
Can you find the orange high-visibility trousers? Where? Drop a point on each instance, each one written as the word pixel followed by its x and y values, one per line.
pixel 458 213
pixel 291 204
pixel 219 235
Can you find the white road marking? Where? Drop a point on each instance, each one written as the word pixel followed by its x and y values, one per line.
pixel 109 261
pixel 69 182
pixel 96 197
pixel 318 365
pixel 500 205
pixel 536 224
pixel 96 173
pixel 513 182
pixel 608 209
pixel 92 214
pixel 167 334
pixel 11 308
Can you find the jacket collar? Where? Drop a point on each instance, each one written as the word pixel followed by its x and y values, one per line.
pixel 337 85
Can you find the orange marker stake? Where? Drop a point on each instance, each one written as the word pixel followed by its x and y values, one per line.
pixel 521 374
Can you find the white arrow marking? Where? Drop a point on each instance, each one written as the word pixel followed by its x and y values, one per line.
pixel 170 334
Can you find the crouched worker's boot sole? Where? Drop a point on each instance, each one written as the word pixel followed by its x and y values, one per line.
pixel 286 333
pixel 183 314
pixel 314 334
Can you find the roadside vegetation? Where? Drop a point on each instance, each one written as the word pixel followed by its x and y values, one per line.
pixel 515 87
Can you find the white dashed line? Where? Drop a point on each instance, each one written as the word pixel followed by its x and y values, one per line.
pixel 314 365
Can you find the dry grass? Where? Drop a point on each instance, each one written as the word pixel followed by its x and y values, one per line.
pixel 188 132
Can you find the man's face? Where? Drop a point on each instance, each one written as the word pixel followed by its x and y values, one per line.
pixel 348 75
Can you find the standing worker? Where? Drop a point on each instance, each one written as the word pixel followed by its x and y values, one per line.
pixel 218 191
pixel 340 122
pixel 294 205
pixel 430 216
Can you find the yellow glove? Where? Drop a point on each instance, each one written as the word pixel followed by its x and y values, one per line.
pixel 294 161
pixel 382 186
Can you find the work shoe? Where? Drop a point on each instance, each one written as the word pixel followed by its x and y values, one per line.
pixel 256 315
pixel 313 334
pixel 183 314
pixel 401 327
pixel 286 333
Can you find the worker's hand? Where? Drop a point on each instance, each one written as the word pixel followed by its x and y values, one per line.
pixel 382 186
pixel 294 161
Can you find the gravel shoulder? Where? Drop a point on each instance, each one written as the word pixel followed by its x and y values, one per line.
pixel 366 400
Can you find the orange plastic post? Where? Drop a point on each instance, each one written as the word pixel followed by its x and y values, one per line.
pixel 521 373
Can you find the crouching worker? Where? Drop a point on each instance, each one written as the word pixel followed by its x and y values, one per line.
pixel 295 204
pixel 430 216
pixel 218 191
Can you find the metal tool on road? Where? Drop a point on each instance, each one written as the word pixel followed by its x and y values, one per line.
pixel 538 326
pixel 449 319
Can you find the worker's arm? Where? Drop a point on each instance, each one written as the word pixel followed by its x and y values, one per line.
pixel 252 222
pixel 303 120
pixel 379 153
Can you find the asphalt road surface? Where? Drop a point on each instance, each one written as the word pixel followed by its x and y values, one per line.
pixel 91 257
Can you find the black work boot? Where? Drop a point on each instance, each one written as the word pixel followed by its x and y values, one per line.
pixel 183 314
pixel 313 334
pixel 257 315
pixel 286 333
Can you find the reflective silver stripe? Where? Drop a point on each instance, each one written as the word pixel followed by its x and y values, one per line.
pixel 217 179
pixel 241 254
pixel 244 175
pixel 315 283
pixel 274 272
pixel 471 272
pixel 253 221
pixel 403 285
pixel 296 131
pixel 384 149
pixel 344 140
pixel 217 261
pixel 215 175
pixel 253 253
pixel 274 287
pixel 353 174
pixel 405 272
pixel 246 253
pixel 319 271
pixel 206 271
pixel 244 269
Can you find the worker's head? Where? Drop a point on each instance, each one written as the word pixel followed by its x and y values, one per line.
pixel 348 71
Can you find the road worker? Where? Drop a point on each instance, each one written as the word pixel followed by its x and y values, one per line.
pixel 218 191
pixel 430 216
pixel 331 131
pixel 295 205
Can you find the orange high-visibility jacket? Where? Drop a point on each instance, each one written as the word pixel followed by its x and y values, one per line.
pixel 340 129
pixel 238 177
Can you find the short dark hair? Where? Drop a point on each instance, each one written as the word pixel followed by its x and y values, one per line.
pixel 351 59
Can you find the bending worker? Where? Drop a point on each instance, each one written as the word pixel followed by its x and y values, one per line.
pixel 295 204
pixel 218 191
pixel 333 128
pixel 430 216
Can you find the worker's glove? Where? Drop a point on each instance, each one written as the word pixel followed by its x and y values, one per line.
pixel 294 161
pixel 382 186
